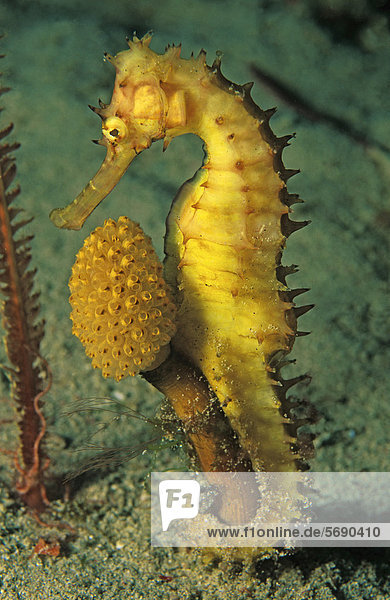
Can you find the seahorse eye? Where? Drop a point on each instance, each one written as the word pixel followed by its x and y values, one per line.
pixel 114 129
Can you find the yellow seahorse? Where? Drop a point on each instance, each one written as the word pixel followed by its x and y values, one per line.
pixel 225 234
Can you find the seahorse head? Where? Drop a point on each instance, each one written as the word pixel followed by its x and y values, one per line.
pixel 145 106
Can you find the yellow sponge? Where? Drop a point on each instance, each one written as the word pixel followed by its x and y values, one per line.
pixel 122 308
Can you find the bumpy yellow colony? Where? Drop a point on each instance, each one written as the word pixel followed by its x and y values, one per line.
pixel 122 311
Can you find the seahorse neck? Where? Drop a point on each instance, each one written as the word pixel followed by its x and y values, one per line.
pixel 220 119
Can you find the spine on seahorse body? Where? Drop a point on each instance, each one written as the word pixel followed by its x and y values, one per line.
pixel 225 234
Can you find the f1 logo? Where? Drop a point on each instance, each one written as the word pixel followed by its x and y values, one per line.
pixel 179 499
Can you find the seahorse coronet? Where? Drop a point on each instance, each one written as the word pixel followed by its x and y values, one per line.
pixel 226 230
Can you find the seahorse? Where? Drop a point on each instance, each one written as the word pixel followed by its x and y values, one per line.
pixel 226 231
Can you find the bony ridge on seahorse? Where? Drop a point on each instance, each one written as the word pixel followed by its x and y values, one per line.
pixel 226 230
